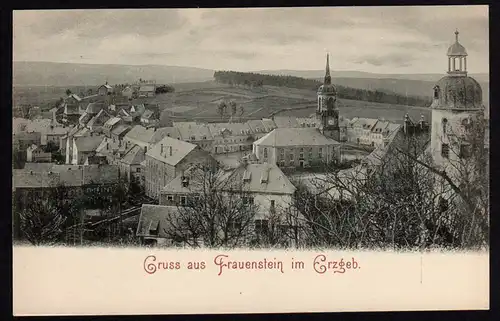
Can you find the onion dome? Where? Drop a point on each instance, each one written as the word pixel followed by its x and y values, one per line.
pixel 459 93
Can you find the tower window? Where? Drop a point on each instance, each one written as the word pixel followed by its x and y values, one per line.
pixel 265 152
pixel 465 151
pixel 445 150
pixel 444 122
pixel 436 92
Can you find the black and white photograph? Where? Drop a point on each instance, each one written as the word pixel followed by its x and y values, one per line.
pixel 324 126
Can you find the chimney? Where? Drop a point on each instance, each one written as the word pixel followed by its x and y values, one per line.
pixel 107 145
pixel 170 148
pixel 145 149
pixel 91 134
pixel 119 143
pixel 161 150
pixel 31 172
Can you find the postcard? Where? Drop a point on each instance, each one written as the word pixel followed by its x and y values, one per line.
pixel 250 160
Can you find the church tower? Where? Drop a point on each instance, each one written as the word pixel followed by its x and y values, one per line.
pixel 327 111
pixel 457 130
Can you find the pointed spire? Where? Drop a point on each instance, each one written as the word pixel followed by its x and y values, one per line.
pixel 328 78
pixel 456 35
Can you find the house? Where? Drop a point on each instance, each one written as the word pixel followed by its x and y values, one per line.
pixel 36 154
pixel 110 124
pixel 128 92
pixel 198 134
pixel 286 122
pixel 120 131
pixel 94 159
pixel 154 224
pixel 72 108
pixel 146 137
pixel 167 159
pixel 50 130
pixel 150 117
pixel 263 185
pixel 260 127
pixel 23 140
pixel 359 130
pixel 67 141
pixel 97 122
pixel 105 89
pixel 83 146
pixel 130 164
pixel 296 147
pixel 147 91
pixel 30 184
pixel 231 137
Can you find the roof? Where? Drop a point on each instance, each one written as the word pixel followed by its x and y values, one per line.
pixel 155 217
pixel 39 167
pixel 120 129
pixel 84 119
pixel 137 110
pixel 134 156
pixel 94 108
pixel 255 178
pixel 143 135
pixel 75 96
pixel 112 121
pixel 234 129
pixel 101 115
pixel 71 109
pixel 196 131
pixel 106 86
pixel 286 121
pixel 295 137
pixel 146 88
pixel 45 126
pixel 257 126
pixel 179 150
pixel 88 143
pixel 150 113
pixel 380 126
pixel 68 175
pixel 366 123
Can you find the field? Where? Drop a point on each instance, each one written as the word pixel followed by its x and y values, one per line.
pixel 199 101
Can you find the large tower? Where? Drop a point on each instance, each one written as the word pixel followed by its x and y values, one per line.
pixel 327 111
pixel 457 130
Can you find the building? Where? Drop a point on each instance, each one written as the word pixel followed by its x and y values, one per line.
pixel 146 137
pixel 111 124
pixel 260 127
pixel 50 130
pixel 296 147
pixel 23 140
pixel 147 91
pixel 36 154
pixel 84 146
pixel 128 92
pixel 105 89
pixel 458 127
pixel 231 137
pixel 327 111
pixel 120 131
pixel 167 159
pixel 150 117
pixel 130 164
pixel 97 122
pixel 194 133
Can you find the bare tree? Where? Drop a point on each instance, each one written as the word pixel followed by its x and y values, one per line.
pixel 222 109
pixel 42 222
pixel 217 211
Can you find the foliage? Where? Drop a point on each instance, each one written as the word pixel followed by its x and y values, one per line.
pixel 164 89
pixel 254 79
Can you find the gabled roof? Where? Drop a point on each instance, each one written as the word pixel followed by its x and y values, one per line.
pixel 196 131
pixel 179 150
pixel 295 137
pixel 75 97
pixel 106 86
pixel 141 134
pixel 262 178
pixel 112 121
pixel 84 119
pixel 120 129
pixel 134 156
pixel 156 218
pixel 149 114
pixel 101 115
pixel 94 108
pixel 88 143
pixel 234 129
pixel 365 123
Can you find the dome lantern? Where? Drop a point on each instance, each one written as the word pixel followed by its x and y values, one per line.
pixel 457 58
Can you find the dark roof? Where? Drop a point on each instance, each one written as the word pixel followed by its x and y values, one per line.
pixel 88 143
pixel 120 129
pixel 156 218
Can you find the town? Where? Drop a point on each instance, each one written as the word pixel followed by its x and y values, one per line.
pixel 108 166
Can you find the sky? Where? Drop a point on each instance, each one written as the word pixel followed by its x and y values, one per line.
pixel 401 39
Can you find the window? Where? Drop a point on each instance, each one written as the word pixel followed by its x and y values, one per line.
pixel 138 169
pixel 320 152
pixel 444 122
pixel 282 163
pixel 436 92
pixel 170 198
pixel 465 150
pixel 247 200
pixel 183 200
pixel 291 157
pixel 273 206
pixel 265 152
pixel 445 150
pixel 301 155
pixel 261 227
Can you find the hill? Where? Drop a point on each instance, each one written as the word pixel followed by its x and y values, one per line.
pixel 316 74
pixel 68 74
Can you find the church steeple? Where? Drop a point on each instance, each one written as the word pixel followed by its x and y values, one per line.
pixel 328 78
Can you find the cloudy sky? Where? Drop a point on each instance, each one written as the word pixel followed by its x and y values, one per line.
pixel 373 39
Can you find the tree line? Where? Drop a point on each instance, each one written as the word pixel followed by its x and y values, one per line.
pixel 250 79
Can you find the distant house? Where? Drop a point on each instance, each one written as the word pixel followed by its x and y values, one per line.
pixel 150 117
pixel 104 90
pixel 23 140
pixel 231 137
pixel 147 91
pixel 128 92
pixel 130 164
pixel 36 154
pixel 146 137
pixel 198 134
pixel 85 146
pixel 120 131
